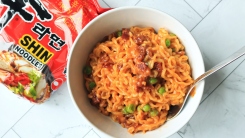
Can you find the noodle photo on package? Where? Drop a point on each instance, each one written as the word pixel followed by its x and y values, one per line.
pixel 135 74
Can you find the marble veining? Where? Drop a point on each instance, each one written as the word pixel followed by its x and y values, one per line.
pixel 218 28
pixel 222 113
pixel 91 134
pixel 203 7
pixel 118 3
pixel 186 15
pixel 11 134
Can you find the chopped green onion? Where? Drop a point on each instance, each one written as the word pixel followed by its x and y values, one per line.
pixel 130 108
pixel 172 34
pixel 119 33
pixel 161 90
pixel 153 80
pixel 153 113
pixel 34 77
pixel 139 108
pixel 87 70
pixel 18 89
pixel 124 111
pixel 92 85
pixel 167 42
pixel 146 108
pixel 33 91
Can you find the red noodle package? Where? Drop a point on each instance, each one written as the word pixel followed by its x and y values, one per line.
pixel 35 39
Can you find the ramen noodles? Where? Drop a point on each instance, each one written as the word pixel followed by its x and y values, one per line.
pixel 136 75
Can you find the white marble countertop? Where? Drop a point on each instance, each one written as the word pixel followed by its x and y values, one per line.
pixel 218 27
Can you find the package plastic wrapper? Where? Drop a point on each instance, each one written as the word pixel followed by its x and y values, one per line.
pixel 35 39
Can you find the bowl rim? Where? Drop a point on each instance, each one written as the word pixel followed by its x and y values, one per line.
pixel 201 84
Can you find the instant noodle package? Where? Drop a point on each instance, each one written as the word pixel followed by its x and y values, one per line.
pixel 35 39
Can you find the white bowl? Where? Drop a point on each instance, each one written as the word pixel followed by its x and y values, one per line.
pixel 107 23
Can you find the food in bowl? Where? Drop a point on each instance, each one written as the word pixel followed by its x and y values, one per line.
pixel 136 74
pixel 93 32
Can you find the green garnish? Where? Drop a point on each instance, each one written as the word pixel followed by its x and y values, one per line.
pixel 124 111
pixel 34 77
pixel 146 108
pixel 139 108
pixel 153 113
pixel 130 108
pixel 119 33
pixel 161 90
pixel 172 34
pixel 153 80
pixel 92 85
pixel 18 89
pixel 32 90
pixel 87 70
pixel 167 42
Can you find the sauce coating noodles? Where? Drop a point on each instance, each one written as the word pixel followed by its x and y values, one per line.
pixel 136 75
